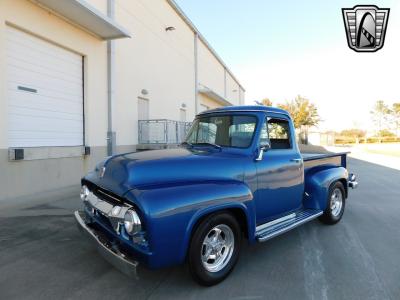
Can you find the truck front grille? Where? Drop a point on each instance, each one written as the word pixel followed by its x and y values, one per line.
pixel 107 196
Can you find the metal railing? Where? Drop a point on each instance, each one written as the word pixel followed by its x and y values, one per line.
pixel 162 131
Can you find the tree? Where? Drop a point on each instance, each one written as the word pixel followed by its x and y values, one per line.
pixel 386 133
pixel 354 133
pixel 265 102
pixel 380 116
pixel 396 117
pixel 304 115
pixel 302 111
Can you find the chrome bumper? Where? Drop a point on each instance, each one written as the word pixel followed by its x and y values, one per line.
pixel 353 184
pixel 111 254
pixel 352 181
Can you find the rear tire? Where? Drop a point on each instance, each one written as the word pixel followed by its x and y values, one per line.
pixel 214 249
pixel 335 204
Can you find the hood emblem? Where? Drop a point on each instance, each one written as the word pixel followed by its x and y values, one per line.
pixel 102 171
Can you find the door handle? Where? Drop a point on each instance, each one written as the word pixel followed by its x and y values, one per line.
pixel 296 160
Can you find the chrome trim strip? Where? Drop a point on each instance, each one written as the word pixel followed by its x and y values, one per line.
pixel 276 221
pixel 106 208
pixel 108 195
pixel 114 257
pixel 286 229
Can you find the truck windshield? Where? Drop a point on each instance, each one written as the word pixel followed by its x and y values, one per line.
pixel 226 131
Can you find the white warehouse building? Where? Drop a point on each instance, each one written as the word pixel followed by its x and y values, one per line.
pixel 83 79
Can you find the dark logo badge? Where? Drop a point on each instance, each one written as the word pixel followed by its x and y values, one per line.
pixel 365 27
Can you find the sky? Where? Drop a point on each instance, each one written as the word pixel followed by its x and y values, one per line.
pixel 281 49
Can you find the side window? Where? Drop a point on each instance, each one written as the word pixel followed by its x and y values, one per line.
pixel 206 133
pixel 241 131
pixel 279 134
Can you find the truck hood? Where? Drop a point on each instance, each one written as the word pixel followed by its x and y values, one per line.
pixel 170 166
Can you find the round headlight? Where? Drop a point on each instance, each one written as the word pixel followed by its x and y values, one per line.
pixel 132 222
pixel 84 192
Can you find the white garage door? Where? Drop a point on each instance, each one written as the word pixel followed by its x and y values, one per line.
pixel 44 93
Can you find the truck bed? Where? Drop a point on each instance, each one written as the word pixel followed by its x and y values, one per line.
pixel 317 159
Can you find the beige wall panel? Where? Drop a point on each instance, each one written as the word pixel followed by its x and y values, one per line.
pixel 100 5
pixel 242 96
pixel 159 61
pixel 211 72
pixel 232 90
pixel 209 102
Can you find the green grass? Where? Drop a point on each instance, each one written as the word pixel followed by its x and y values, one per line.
pixel 390 149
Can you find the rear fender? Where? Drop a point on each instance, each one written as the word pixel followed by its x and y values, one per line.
pixel 317 185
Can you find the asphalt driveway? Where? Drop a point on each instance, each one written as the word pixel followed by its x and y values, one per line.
pixel 43 255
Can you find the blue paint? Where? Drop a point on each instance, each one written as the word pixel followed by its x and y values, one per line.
pixel 175 188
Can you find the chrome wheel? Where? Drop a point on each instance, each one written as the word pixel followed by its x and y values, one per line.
pixel 336 202
pixel 217 248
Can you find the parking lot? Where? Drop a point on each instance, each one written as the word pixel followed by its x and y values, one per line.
pixel 43 255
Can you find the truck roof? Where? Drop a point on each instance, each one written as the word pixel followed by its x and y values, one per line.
pixel 246 108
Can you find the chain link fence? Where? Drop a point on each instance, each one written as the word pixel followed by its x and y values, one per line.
pixel 162 131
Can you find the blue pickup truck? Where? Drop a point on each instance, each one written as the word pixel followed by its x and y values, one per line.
pixel 238 175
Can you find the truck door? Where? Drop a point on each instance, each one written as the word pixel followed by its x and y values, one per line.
pixel 280 173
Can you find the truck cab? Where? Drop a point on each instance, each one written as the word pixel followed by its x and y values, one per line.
pixel 239 174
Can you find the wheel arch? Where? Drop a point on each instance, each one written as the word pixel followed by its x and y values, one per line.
pixel 345 186
pixel 317 186
pixel 238 210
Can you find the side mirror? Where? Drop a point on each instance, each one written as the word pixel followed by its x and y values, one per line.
pixel 264 146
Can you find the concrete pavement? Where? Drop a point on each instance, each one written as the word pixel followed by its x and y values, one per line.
pixel 42 255
pixel 380 159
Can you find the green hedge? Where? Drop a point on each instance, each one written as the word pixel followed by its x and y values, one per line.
pixel 341 140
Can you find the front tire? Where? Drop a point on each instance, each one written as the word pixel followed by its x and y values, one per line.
pixel 214 249
pixel 335 204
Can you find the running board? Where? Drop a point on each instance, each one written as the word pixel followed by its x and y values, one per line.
pixel 272 229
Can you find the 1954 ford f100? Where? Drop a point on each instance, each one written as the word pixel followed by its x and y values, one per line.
pixel 239 174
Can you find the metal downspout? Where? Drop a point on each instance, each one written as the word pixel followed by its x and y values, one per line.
pixel 111 135
pixel 224 82
pixel 196 75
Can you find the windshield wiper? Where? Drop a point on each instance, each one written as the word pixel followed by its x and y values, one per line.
pixel 208 144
